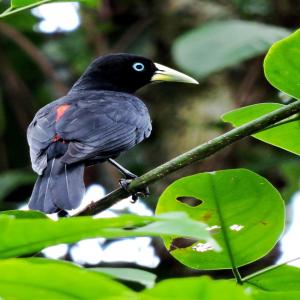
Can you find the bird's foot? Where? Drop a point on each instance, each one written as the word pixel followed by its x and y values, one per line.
pixel 142 193
pixel 62 214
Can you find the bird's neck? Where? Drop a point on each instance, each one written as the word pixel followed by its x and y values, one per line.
pixel 91 83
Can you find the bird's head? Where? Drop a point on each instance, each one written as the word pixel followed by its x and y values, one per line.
pixel 126 73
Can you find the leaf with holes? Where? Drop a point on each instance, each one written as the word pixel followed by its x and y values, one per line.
pixel 217 45
pixel 276 284
pixel 282 65
pixel 244 213
pixel 284 135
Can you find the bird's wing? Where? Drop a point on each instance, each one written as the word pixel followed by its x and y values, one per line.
pixel 104 126
pixel 39 136
pixel 101 124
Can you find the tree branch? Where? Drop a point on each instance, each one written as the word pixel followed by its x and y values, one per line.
pixel 196 154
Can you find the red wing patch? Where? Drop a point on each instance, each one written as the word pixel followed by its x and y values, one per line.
pixel 56 138
pixel 60 110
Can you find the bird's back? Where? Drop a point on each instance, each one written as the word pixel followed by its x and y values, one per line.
pixel 85 125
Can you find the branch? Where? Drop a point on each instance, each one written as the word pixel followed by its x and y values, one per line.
pixel 196 154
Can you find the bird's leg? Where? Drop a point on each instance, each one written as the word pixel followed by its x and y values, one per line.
pixel 129 176
pixel 124 171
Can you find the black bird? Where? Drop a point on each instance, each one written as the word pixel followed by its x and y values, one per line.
pixel 97 120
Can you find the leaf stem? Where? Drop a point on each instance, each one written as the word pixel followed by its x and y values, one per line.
pixel 225 235
pixel 11 10
pixel 267 269
pixel 194 155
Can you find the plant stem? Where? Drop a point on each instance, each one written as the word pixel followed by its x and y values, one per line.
pixel 196 154
pixel 267 269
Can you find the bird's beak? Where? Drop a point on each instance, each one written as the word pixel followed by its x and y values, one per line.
pixel 164 73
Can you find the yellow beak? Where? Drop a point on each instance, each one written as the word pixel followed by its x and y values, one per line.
pixel 164 73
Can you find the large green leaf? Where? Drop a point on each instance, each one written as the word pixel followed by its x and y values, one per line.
pixel 38 278
pixel 220 44
pixel 20 235
pixel 244 212
pixel 282 65
pixel 129 274
pixel 202 288
pixel 25 279
pixel 276 284
pixel 285 136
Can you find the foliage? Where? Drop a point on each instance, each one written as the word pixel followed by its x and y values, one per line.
pixel 283 135
pixel 241 208
pixel 211 220
pixel 227 42
pixel 29 229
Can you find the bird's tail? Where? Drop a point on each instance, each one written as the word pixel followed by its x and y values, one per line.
pixel 60 187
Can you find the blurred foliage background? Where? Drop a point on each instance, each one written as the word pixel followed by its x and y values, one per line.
pixel 220 42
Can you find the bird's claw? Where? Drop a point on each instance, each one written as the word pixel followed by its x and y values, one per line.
pixel 142 193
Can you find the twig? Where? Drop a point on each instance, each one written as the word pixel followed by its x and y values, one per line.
pixel 196 154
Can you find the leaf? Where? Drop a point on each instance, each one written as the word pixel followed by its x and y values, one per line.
pixel 48 279
pixel 244 212
pixel 24 3
pixel 33 234
pixel 276 284
pixel 24 214
pixel 284 135
pixel 129 274
pixel 282 65
pixel 221 44
pixel 29 3
pixel 197 288
pixel 11 180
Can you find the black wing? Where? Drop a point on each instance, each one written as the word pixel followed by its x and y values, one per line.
pixel 40 134
pixel 102 125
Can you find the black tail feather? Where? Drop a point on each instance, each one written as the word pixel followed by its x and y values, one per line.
pixel 60 187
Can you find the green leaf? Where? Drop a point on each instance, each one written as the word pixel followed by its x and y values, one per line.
pixel 221 44
pixel 24 214
pixel 129 274
pixel 244 212
pixel 13 179
pixel 20 3
pixel 285 135
pixel 46 279
pixel 276 284
pixel 33 234
pixel 196 288
pixel 23 3
pixel 282 65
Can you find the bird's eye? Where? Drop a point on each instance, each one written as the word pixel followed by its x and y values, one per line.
pixel 138 67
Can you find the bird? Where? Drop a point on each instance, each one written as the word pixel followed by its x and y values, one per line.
pixel 97 120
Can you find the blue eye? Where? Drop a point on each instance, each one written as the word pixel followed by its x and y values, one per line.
pixel 138 67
